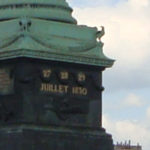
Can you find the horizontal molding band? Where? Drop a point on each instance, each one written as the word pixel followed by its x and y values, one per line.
pixel 34 5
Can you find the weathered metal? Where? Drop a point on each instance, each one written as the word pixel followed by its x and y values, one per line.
pixel 55 10
pixel 50 79
pixel 25 33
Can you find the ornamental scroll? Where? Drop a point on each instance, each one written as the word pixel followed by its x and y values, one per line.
pixel 58 88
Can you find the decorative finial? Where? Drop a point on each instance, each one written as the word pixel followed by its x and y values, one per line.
pixel 101 33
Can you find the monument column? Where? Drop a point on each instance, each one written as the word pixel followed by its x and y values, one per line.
pixel 50 79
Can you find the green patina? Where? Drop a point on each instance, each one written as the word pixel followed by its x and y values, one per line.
pixel 45 29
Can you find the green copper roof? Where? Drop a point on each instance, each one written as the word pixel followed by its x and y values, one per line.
pixel 45 29
pixel 54 2
pixel 57 10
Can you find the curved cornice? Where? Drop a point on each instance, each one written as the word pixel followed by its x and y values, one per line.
pixel 41 39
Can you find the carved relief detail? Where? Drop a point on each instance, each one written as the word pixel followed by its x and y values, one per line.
pixel 6 82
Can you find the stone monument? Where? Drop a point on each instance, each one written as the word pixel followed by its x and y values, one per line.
pixel 50 79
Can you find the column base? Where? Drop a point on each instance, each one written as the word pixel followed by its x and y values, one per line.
pixel 30 137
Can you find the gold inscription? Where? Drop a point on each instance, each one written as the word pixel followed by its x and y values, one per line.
pixel 81 77
pixel 47 73
pixel 64 75
pixel 54 88
pixel 79 91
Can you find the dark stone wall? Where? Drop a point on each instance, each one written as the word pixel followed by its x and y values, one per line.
pixel 51 105
pixel 69 94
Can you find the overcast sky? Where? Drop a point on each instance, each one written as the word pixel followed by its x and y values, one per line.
pixel 126 104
